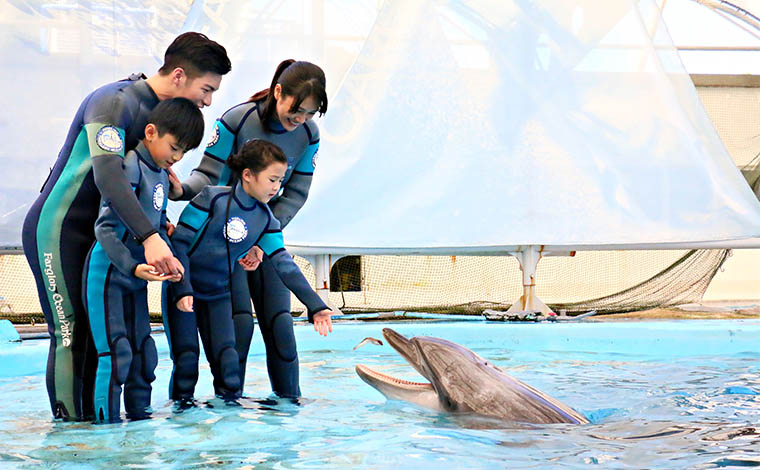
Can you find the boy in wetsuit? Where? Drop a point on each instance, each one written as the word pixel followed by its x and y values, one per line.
pixel 58 229
pixel 115 274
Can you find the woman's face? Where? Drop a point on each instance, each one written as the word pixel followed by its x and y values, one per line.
pixel 291 120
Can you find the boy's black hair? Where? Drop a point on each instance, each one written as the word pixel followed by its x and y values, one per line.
pixel 181 118
pixel 196 54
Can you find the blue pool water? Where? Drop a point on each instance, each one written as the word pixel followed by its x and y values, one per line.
pixel 693 386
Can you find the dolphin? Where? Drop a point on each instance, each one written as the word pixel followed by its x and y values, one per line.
pixel 463 382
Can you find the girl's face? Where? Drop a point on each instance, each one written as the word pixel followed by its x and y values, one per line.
pixel 291 120
pixel 265 184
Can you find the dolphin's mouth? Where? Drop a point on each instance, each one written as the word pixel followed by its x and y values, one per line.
pixel 370 374
pixel 394 388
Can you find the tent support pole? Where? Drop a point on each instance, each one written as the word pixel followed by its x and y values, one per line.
pixel 322 265
pixel 528 302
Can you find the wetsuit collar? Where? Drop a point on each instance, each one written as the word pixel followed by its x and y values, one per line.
pixel 272 125
pixel 245 201
pixel 144 155
pixel 276 126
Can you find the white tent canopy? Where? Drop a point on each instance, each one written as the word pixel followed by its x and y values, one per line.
pixel 480 126
pixel 467 126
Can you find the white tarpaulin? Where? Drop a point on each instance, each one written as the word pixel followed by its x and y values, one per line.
pixel 461 124
pixel 494 124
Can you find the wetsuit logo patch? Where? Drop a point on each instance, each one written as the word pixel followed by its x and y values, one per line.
pixel 214 137
pixel 158 196
pixel 314 159
pixel 108 139
pixel 236 230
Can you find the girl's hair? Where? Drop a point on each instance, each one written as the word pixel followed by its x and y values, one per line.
pixel 298 79
pixel 256 155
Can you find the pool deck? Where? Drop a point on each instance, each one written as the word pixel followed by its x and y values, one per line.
pixel 745 309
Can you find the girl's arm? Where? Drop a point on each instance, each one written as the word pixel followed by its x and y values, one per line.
pixel 194 217
pixel 287 270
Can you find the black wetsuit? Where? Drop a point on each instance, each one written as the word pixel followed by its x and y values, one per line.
pixel 214 231
pixel 117 300
pixel 58 229
pixel 271 299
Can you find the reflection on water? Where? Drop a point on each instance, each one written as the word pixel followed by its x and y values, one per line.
pixel 649 408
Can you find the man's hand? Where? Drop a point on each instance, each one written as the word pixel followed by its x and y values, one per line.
pixel 149 273
pixel 158 255
pixel 185 303
pixel 323 322
pixel 175 186
pixel 252 259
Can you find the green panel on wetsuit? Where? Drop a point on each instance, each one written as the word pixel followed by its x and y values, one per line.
pixel 49 228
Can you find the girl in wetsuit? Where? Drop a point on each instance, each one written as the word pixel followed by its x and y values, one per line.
pixel 281 114
pixel 216 229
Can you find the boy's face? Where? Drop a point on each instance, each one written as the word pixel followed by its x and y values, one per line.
pixel 163 149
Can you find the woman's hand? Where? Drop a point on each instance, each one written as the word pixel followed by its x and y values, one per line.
pixel 185 303
pixel 323 322
pixel 252 259
pixel 175 186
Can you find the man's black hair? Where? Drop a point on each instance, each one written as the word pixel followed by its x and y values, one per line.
pixel 196 54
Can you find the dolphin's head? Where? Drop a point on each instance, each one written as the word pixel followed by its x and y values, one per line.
pixel 393 388
pixel 462 381
pixel 446 365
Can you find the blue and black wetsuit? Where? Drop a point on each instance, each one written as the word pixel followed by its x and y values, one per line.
pixel 217 228
pixel 117 301
pixel 271 299
pixel 58 229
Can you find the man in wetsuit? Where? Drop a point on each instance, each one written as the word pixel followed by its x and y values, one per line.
pixel 59 228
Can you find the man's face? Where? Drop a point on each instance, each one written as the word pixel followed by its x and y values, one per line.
pixel 199 89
